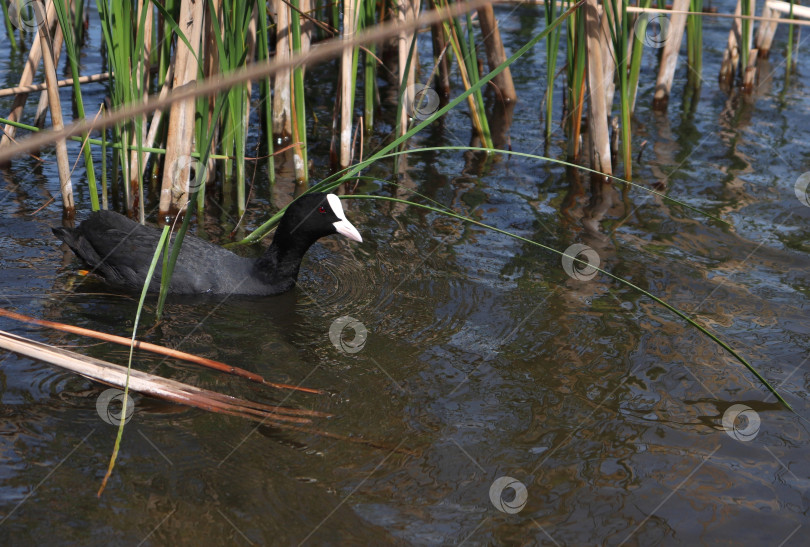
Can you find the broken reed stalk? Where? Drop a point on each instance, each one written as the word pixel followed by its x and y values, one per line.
pixel 407 10
pixel 347 83
pixel 27 77
pixel 282 102
pixel 766 31
pixel 597 89
pixel 495 53
pixel 669 57
pixel 153 348
pixel 180 134
pixel 62 162
pixel 299 125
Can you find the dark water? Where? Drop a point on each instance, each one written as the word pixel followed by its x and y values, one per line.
pixel 483 358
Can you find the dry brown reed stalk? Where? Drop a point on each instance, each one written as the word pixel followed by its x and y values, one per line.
pixel 154 348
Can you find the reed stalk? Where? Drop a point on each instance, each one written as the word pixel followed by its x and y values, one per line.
pixel 694 44
pixel 347 78
pixel 27 77
pixel 746 8
pixel 9 28
pixel 575 71
pixel 789 64
pixel 62 162
pixel 265 96
pixel 300 161
pixel 369 68
pixel 636 53
pixel 282 107
pixel 619 25
pixel 552 49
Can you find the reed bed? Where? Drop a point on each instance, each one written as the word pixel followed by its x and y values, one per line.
pixel 152 49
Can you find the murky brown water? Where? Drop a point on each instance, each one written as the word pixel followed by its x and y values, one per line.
pixel 483 357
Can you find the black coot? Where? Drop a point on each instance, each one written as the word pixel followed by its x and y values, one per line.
pixel 121 250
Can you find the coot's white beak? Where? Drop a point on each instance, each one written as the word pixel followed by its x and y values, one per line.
pixel 343 226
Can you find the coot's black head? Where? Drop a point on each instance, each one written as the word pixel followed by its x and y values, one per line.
pixel 314 216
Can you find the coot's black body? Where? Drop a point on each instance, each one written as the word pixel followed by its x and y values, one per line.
pixel 121 250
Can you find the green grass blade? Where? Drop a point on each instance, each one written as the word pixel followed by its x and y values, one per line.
pixel 155 258
pixel 624 282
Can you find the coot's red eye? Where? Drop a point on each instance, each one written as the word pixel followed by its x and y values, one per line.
pixel 321 209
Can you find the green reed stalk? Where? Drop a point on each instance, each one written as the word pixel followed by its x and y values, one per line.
pixel 625 282
pixel 459 46
pixel 745 38
pixel 104 202
pixel 552 49
pixel 694 44
pixel 299 106
pixel 78 22
pixel 9 27
pixel 575 68
pixel 474 78
pixel 789 53
pixel 164 237
pixel 403 83
pixel 635 61
pixel 265 87
pixel 619 26
pixel 116 27
pixel 369 67
pixel 63 16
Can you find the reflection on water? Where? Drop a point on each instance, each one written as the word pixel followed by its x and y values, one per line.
pixel 482 356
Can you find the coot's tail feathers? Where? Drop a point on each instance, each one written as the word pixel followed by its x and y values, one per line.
pixel 85 251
